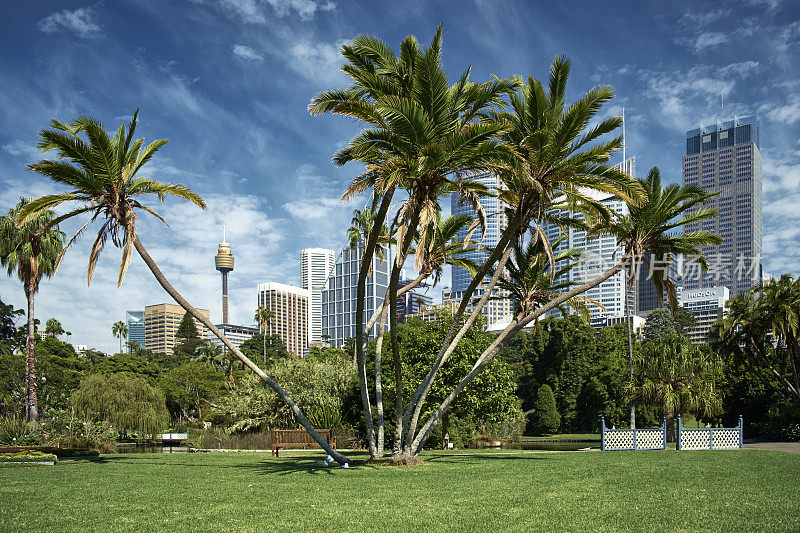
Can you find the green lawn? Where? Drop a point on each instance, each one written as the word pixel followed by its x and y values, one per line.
pixel 663 490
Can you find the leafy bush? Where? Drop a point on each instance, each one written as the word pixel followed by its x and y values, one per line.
pixel 18 432
pixel 62 429
pixel 28 456
pixel 545 415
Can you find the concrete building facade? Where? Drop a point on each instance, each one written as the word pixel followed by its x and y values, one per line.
pixel 316 265
pixel 236 334
pixel 290 306
pixel 161 322
pixel 707 305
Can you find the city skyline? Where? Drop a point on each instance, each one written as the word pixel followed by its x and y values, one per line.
pixel 249 142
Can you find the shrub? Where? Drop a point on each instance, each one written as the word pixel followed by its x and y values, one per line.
pixel 17 432
pixel 545 415
pixel 27 456
pixel 62 429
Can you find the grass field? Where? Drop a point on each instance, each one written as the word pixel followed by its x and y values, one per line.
pixel 662 490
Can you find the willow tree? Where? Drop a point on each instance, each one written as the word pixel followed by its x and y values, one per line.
pixel 100 172
pixel 32 251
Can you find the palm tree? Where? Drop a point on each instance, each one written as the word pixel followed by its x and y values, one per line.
pixel 531 282
pixel 649 226
pixel 760 329
pixel 53 328
pixel 423 134
pixel 32 250
pixel 120 330
pixel 561 161
pixel 676 377
pixel 100 172
pixel 360 228
pixel 264 317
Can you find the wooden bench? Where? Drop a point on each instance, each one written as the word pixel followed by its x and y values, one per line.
pixel 297 438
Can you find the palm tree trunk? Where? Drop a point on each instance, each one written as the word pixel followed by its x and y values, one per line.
pixel 162 280
pixel 31 398
pixel 380 437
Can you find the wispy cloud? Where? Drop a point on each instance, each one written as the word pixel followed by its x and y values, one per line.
pixel 245 52
pixel 79 21
pixel 709 39
pixel 254 11
pixel 317 61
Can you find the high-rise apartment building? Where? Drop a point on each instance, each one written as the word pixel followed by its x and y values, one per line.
pixel 496 222
pixel 161 322
pixel 412 301
pixel 339 296
pixel 290 307
pixel 725 158
pixel 648 299
pixel 135 322
pixel 599 253
pixel 316 265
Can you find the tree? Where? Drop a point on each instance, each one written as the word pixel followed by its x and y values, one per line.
pixel 675 376
pixel 100 171
pixel 8 327
pixel 545 415
pixel 761 330
pixel 264 317
pixel 120 330
pixel 130 364
pixel 32 247
pixel 659 324
pixel 187 340
pixel 269 347
pixel 188 387
pixel 60 371
pixel 53 328
pixel 124 400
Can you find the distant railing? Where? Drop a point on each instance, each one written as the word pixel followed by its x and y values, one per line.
pixel 710 438
pixel 297 438
pixel 174 437
pixel 634 439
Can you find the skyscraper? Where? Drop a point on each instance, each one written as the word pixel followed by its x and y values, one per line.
pixel 725 158
pixel 496 222
pixel 135 322
pixel 223 262
pixel 161 322
pixel 339 296
pixel 289 306
pixel 316 265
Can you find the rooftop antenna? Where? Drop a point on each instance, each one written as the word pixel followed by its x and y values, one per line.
pixel 224 234
pixel 722 98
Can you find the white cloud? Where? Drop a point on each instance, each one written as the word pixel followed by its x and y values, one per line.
pixel 311 208
pixel 245 52
pixel 708 40
pixel 23 149
pixel 696 20
pixel 319 62
pixel 252 11
pixel 787 113
pixel 78 21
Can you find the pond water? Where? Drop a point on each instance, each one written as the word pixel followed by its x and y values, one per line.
pixel 144 448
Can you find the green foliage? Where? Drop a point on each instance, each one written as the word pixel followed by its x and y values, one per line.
pixel 319 388
pixel 546 419
pixel 486 402
pixel 187 329
pixel 31 456
pixel 12 383
pixel 124 400
pixel 18 432
pixel 659 324
pixel 130 364
pixel 62 429
pixel 60 371
pixel 254 349
pixel 8 328
pixel 586 371
pixel 191 386
pixel 53 328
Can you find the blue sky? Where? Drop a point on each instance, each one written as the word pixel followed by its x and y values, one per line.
pixel 228 82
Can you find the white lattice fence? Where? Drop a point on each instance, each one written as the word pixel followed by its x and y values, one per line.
pixel 710 438
pixel 634 439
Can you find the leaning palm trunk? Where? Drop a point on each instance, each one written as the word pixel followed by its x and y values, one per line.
pixel 31 398
pixel 339 458
pixel 486 357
